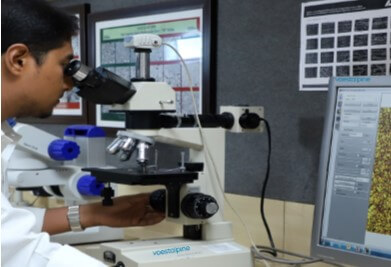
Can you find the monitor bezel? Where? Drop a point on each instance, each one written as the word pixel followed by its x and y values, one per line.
pixel 317 250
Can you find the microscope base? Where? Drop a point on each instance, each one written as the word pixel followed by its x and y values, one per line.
pixel 89 235
pixel 175 252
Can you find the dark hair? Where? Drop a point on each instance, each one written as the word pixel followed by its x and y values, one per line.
pixel 37 24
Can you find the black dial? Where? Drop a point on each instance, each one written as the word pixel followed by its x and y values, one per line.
pixel 157 200
pixel 199 206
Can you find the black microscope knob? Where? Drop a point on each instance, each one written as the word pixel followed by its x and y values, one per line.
pixel 199 206
pixel 157 200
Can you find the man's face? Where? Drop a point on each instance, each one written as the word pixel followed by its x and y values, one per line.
pixel 47 82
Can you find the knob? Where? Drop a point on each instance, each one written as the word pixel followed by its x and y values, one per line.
pixel 199 206
pixel 89 186
pixel 61 149
pixel 11 122
pixel 157 200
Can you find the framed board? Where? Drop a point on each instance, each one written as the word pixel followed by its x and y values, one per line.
pixel 344 38
pixel 187 25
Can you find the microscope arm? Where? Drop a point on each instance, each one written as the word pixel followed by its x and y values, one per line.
pixel 37 149
pixel 40 163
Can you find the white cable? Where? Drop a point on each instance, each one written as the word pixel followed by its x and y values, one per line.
pixel 259 255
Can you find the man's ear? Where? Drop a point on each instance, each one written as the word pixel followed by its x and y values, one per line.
pixel 16 57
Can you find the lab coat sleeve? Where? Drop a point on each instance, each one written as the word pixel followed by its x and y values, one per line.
pixel 21 246
pixel 39 216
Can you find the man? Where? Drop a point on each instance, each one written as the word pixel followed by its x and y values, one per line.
pixel 35 48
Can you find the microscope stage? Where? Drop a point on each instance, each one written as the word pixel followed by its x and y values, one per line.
pixel 137 177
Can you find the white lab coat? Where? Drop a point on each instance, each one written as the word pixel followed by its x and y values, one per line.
pixel 22 242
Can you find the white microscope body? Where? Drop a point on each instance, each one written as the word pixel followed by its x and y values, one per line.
pixel 216 246
pixel 42 160
pixel 198 204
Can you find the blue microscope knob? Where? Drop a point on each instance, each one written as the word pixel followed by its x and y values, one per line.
pixel 11 122
pixel 89 186
pixel 61 149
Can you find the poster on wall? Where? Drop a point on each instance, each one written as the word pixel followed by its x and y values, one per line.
pixel 186 27
pixel 344 38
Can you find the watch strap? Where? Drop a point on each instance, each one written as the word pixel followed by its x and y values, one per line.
pixel 73 216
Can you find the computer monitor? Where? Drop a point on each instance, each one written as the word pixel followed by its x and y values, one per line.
pixel 352 221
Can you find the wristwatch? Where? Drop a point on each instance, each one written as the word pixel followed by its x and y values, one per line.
pixel 74 218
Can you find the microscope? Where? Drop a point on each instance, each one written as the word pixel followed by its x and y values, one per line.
pixel 52 167
pixel 194 191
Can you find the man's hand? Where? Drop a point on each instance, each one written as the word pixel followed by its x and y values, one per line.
pixel 126 211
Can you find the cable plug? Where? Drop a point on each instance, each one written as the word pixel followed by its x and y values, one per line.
pixel 249 120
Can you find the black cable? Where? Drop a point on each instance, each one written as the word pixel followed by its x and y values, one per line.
pixel 272 249
pixel 263 193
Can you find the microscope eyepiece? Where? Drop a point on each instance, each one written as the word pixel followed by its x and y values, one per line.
pixel 72 67
pixel 76 70
pixel 99 85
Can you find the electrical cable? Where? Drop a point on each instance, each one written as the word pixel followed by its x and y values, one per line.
pixel 258 254
pixel 32 203
pixel 263 193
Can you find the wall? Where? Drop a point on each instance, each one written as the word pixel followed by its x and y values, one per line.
pixel 257 64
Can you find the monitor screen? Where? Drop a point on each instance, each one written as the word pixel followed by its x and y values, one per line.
pixel 352 221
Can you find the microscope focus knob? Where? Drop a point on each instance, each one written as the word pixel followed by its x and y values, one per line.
pixel 89 186
pixel 199 206
pixel 61 149
pixel 157 200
